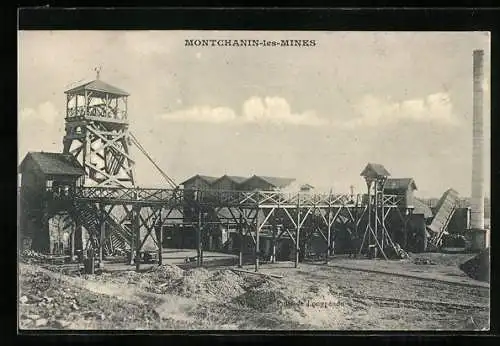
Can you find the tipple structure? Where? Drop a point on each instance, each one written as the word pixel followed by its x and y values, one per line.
pixel 91 187
pixel 131 216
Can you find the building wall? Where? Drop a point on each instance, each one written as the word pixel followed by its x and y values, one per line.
pixel 409 195
pixel 200 184
pixel 31 207
pixel 225 184
pixel 460 221
pixel 36 231
pixel 197 183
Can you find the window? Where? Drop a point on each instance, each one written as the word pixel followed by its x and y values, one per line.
pixel 49 183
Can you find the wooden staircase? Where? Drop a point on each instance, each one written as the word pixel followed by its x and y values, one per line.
pixel 117 238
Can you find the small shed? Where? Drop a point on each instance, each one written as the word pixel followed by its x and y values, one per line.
pixel 228 182
pixel 401 187
pixel 42 172
pixel 265 183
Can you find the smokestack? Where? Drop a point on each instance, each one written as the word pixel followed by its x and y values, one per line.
pixel 477 200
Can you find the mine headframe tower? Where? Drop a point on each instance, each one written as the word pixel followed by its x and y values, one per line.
pixel 97 133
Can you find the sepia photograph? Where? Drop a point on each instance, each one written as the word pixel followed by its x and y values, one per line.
pixel 253 180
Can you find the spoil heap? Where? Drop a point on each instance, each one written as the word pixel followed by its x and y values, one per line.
pixel 478 267
pixel 267 296
pixel 33 257
pixel 197 282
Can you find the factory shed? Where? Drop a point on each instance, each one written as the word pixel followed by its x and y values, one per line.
pixel 265 183
pixel 228 182
pixel 52 164
pixel 401 187
pixel 398 185
pixel 42 172
pixel 421 208
pixel 198 181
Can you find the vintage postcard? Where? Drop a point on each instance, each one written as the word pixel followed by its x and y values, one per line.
pixel 253 180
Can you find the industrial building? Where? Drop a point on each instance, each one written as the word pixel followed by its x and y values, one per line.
pixel 91 186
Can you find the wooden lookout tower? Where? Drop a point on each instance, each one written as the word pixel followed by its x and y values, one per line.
pixel 376 234
pixel 97 133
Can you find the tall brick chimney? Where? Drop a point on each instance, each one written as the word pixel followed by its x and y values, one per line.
pixel 477 200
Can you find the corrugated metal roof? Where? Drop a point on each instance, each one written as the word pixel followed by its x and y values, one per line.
pixel 399 184
pixel 55 163
pixel 278 182
pixel 374 170
pixel 207 178
pixel 233 178
pixel 99 86
pixel 237 179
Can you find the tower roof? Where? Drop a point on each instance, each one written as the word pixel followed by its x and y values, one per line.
pixel 98 86
pixel 375 170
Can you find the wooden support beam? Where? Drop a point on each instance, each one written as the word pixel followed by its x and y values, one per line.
pixel 73 244
pixel 102 239
pixel 242 241
pixel 273 239
pixel 136 230
pixel 329 245
pixel 297 236
pixel 257 243
pixel 160 243
pixel 199 240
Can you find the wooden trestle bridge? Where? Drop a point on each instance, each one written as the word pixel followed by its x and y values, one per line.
pixel 128 217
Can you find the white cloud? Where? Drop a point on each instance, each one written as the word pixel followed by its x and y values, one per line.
pixel 272 110
pixel 276 110
pixel 202 114
pixel 45 112
pixel 435 108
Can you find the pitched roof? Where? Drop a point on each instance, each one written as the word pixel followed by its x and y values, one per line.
pixel 237 179
pixel 278 182
pixel 55 163
pixel 399 184
pixel 99 86
pixel 420 207
pixel 206 178
pixel 233 178
pixel 375 170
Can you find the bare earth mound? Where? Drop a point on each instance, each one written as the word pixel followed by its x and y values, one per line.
pixel 478 267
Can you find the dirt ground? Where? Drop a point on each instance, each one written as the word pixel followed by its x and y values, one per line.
pixel 312 296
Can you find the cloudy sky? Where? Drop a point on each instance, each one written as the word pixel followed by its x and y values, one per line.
pixel 318 114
